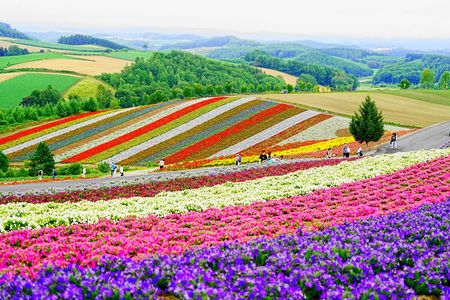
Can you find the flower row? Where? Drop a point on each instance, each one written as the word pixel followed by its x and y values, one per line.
pixel 398 256
pixel 25 215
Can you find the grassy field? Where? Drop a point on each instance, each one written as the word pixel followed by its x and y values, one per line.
pixel 56 46
pixel 86 88
pixel 286 77
pixel 431 96
pixel 6 61
pixel 13 90
pixel 396 109
pixel 89 65
pixel 130 55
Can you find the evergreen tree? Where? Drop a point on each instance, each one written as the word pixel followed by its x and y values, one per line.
pixel 367 125
pixel 404 84
pixel 41 159
pixel 3 162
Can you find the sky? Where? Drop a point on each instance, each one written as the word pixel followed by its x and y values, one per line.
pixel 381 19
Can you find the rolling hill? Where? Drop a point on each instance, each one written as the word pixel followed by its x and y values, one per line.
pixel 177 131
pixel 7 31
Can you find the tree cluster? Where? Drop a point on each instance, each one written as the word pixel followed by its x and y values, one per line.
pixel 12 50
pixel 179 75
pixel 79 39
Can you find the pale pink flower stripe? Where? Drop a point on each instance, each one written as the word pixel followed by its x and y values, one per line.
pixel 27 251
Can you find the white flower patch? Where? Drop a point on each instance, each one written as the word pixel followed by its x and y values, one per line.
pixel 180 129
pixel 62 131
pixel 266 134
pixel 228 194
pixel 125 130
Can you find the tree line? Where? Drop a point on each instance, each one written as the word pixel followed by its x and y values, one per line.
pixel 79 39
pixel 180 75
pixel 13 50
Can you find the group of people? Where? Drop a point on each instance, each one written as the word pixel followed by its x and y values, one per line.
pixel 113 168
pixel 345 152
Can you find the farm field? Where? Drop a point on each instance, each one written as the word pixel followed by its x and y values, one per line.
pixel 85 88
pixel 6 61
pixel 210 129
pixel 130 55
pixel 289 79
pixel 6 42
pixel 396 109
pixel 13 90
pixel 430 96
pixel 88 65
pixel 274 225
pixel 56 46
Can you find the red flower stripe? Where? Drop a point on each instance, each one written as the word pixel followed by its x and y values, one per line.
pixel 182 154
pixel 26 132
pixel 140 131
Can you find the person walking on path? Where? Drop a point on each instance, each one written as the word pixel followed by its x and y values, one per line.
pixel 393 141
pixel 161 164
pixel 346 151
pixel 121 170
pixel 83 172
pixel 113 168
pixel 360 152
pixel 263 156
pixel 54 174
pixel 40 174
pixel 329 153
pixel 238 159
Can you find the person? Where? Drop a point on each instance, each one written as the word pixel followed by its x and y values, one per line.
pixel 393 142
pixel 238 159
pixel 329 153
pixel 269 157
pixel 113 168
pixel 263 156
pixel 83 172
pixel 40 174
pixel 346 151
pixel 54 174
pixel 121 170
pixel 359 152
pixel 161 164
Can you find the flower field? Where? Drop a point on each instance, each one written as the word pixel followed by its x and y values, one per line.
pixel 205 131
pixel 375 227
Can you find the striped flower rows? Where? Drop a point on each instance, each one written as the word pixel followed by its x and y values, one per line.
pixel 200 132
pixel 27 251
pixel 22 215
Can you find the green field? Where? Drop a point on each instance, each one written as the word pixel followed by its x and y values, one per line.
pixel 6 61
pixel 130 55
pixel 13 90
pixel 86 88
pixel 431 96
pixel 56 46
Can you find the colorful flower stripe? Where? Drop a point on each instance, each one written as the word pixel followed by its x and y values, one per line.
pixel 265 134
pixel 24 215
pixel 182 128
pixel 106 155
pixel 152 188
pixel 160 110
pixel 131 135
pixel 78 133
pixel 48 136
pixel 245 134
pixel 216 138
pixel 398 256
pixel 424 183
pixel 201 132
pixel 26 135
pixel 271 142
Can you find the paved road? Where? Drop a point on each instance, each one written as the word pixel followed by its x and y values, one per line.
pixel 428 138
pixel 44 187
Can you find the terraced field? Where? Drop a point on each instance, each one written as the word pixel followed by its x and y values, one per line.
pixel 180 131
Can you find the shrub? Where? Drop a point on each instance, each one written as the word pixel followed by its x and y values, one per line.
pixel 72 169
pixel 103 167
pixel 3 162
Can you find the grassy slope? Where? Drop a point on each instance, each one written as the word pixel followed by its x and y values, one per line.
pixel 396 109
pixel 86 88
pixel 430 96
pixel 48 45
pixel 6 61
pixel 290 79
pixel 130 55
pixel 13 90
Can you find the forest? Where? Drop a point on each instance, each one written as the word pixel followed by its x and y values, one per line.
pixel 180 75
pixel 79 39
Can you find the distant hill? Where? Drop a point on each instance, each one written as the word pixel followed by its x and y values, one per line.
pixel 79 39
pixel 220 41
pixel 7 31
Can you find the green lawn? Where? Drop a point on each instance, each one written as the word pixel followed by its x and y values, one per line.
pixel 56 46
pixel 6 61
pixel 13 90
pixel 431 96
pixel 130 55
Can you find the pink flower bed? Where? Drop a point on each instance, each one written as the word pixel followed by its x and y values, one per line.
pixel 27 251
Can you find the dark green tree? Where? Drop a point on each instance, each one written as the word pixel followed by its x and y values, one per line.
pixel 41 159
pixel 404 84
pixel 104 96
pixel 367 125
pixel 427 79
pixel 290 88
pixel 3 162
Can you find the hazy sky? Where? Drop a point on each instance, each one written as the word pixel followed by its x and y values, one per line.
pixel 295 18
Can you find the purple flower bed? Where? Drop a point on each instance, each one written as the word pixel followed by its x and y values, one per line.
pixel 397 256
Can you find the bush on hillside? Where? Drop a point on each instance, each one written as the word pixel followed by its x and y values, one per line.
pixel 72 169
